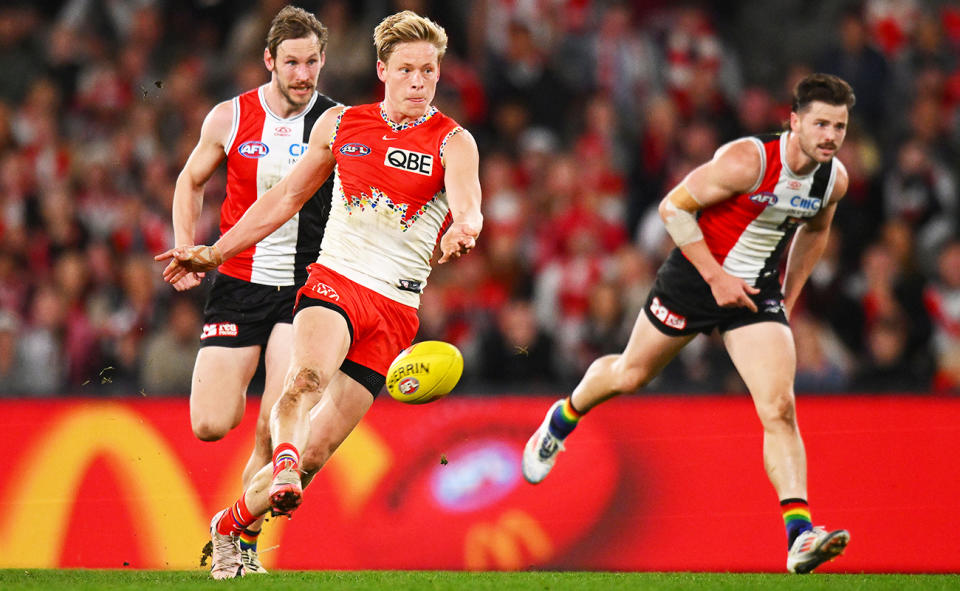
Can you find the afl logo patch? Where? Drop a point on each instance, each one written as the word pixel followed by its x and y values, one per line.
pixel 354 149
pixel 253 149
pixel 766 199
pixel 408 385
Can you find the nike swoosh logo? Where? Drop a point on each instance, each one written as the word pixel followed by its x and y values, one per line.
pixel 390 138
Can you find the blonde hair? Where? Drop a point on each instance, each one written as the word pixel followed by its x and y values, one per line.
pixel 405 27
pixel 294 23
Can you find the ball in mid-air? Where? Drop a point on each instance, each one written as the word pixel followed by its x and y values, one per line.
pixel 424 372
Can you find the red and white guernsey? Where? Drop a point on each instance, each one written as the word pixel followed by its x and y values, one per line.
pixel 748 232
pixel 389 200
pixel 261 149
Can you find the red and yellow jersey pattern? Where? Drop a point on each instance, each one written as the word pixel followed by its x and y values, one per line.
pixel 389 200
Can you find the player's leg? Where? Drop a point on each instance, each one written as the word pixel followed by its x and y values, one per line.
pixel 339 410
pixel 765 356
pixel 647 352
pixel 276 361
pixel 321 339
pixel 218 391
pixel 342 406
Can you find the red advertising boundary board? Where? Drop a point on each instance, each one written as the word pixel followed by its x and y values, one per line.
pixel 646 483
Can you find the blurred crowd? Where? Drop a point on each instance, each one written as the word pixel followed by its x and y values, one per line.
pixel 585 111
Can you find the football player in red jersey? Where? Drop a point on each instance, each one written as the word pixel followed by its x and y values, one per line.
pixel 405 175
pixel 249 308
pixel 731 218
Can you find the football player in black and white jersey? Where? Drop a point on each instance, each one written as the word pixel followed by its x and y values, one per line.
pixel 249 311
pixel 731 219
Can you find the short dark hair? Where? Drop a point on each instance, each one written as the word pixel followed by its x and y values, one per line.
pixel 825 88
pixel 294 23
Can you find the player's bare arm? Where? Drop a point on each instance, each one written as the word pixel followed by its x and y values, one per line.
pixel 200 166
pixel 267 213
pixel 735 168
pixel 809 243
pixel 462 181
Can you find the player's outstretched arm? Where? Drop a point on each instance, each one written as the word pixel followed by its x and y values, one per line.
pixel 734 169
pixel 188 191
pixel 809 243
pixel 462 180
pixel 267 213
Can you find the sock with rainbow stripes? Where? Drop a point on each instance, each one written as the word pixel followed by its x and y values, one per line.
pixel 248 539
pixel 564 419
pixel 796 517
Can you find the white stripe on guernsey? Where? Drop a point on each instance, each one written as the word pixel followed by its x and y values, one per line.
pixel 274 256
pixel 763 164
pixel 234 125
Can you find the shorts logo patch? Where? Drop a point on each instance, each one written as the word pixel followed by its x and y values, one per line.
pixel 665 316
pixel 772 306
pixel 223 329
pixel 326 291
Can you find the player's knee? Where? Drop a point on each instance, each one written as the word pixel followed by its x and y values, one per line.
pixel 209 430
pixel 630 376
pixel 305 381
pixel 777 410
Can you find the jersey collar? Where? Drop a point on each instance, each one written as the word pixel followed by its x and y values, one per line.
pixel 401 126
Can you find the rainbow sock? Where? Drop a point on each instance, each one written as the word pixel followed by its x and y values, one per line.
pixel 796 516
pixel 248 539
pixel 285 453
pixel 564 419
pixel 236 519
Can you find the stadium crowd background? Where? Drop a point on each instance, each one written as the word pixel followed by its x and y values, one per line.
pixel 585 111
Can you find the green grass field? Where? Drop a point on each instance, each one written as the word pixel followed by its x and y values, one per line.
pixel 440 580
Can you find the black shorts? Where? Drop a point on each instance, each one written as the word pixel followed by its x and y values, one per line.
pixel 681 303
pixel 240 314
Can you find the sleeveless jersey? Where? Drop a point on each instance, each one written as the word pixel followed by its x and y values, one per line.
pixel 261 150
pixel 748 232
pixel 389 200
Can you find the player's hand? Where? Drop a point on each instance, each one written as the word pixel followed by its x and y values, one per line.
pixel 733 292
pixel 459 239
pixel 189 259
pixel 189 281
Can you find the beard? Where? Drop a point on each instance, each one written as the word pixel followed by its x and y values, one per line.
pixel 285 90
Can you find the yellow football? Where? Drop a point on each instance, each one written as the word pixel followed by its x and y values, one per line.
pixel 424 372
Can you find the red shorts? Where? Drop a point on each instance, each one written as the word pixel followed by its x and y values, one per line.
pixel 379 327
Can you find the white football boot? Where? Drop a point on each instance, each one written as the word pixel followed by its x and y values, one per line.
pixel 225 562
pixel 251 562
pixel 814 547
pixel 542 449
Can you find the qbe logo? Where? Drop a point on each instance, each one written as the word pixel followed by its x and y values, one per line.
pixel 417 162
pixel 253 149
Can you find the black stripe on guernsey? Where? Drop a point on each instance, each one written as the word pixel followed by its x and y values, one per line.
pixel 314 214
pixel 820 180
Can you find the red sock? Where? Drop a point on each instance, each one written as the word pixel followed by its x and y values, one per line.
pixel 236 519
pixel 285 454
